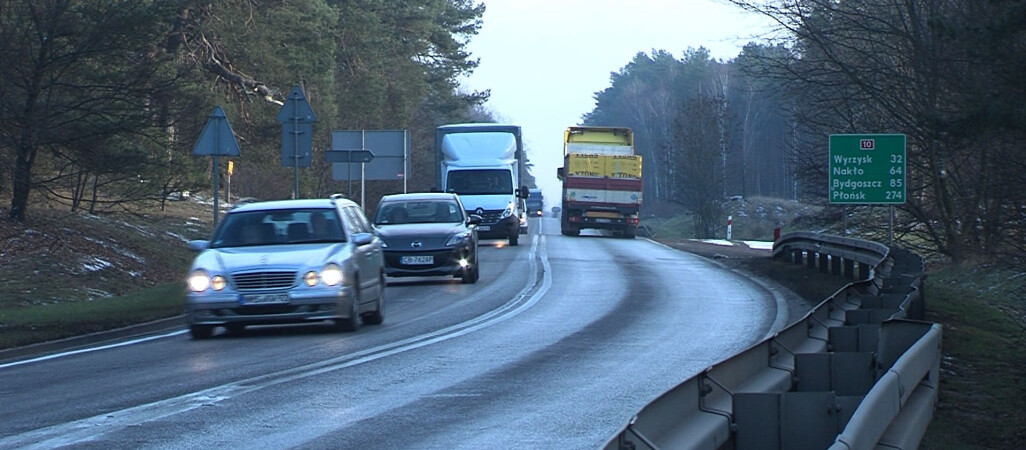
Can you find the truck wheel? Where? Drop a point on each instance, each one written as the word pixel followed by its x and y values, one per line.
pixel 201 331
pixel 514 238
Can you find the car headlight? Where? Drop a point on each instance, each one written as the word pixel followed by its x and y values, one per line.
pixel 200 281
pixel 509 210
pixel 331 274
pixel 457 239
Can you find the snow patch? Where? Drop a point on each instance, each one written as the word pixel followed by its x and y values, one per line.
pixel 756 245
pixel 177 236
pixel 95 264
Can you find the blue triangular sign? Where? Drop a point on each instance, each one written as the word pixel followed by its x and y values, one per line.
pixel 217 138
pixel 296 108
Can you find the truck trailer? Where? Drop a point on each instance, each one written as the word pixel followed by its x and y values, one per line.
pixel 483 163
pixel 601 176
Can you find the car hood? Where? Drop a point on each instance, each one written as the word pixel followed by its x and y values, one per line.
pixel 292 257
pixel 430 235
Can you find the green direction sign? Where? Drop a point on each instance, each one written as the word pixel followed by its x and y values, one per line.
pixel 867 168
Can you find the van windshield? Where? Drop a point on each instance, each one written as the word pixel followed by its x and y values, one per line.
pixel 480 182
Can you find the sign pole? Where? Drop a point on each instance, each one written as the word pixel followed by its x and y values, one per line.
pixel 228 194
pixel 295 141
pixel 890 226
pixel 406 161
pixel 217 139
pixel 217 183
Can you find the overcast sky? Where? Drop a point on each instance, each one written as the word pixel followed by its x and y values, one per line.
pixel 544 60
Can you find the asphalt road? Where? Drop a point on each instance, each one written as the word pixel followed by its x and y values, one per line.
pixel 557 346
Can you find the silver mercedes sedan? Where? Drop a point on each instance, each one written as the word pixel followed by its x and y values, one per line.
pixel 287 261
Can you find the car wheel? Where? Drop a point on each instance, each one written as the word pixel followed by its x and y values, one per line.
pixel 470 275
pixel 377 316
pixel 201 331
pixel 514 239
pixel 351 323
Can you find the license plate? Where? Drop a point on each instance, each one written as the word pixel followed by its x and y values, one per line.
pixel 416 260
pixel 603 220
pixel 265 299
pixel 484 228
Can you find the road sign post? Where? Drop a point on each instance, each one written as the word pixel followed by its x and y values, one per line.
pixel 351 156
pixel 297 118
pixel 868 169
pixel 217 139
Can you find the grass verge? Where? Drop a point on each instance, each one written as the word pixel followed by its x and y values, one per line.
pixel 983 373
pixel 40 323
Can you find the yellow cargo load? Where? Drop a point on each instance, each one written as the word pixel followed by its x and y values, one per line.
pixel 585 165
pixel 622 166
pixel 610 166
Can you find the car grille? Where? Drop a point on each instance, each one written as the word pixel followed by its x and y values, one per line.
pixel 263 280
pixel 489 217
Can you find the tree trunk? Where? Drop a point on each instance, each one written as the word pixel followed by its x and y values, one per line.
pixel 22 185
pixel 96 188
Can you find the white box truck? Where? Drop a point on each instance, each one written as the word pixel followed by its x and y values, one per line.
pixel 483 163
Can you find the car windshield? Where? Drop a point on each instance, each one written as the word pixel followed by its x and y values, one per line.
pixel 403 212
pixel 277 227
pixel 480 182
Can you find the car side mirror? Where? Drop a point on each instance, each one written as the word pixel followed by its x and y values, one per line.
pixel 198 246
pixel 474 219
pixel 363 238
pixel 559 173
pixel 524 192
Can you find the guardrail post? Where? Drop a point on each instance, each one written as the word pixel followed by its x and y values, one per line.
pixel 849 269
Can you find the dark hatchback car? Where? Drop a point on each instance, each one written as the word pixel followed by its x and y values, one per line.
pixel 428 234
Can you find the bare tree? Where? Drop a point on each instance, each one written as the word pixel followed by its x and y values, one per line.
pixel 697 158
pixel 935 71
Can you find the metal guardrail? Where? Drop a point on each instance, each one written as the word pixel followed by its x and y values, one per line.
pixel 854 373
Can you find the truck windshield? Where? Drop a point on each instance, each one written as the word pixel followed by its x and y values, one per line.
pixel 480 182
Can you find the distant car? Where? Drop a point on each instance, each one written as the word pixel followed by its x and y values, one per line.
pixel 287 261
pixel 523 217
pixel 535 203
pixel 428 234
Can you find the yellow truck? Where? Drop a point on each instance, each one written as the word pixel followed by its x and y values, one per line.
pixel 601 176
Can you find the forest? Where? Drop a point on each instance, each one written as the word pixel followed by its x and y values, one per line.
pixel 946 74
pixel 101 103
